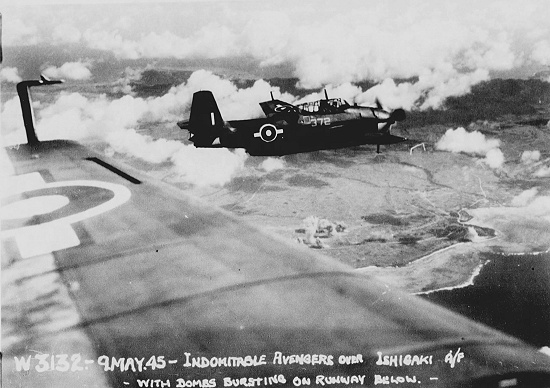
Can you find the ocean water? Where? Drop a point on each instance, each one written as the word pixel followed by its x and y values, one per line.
pixel 511 293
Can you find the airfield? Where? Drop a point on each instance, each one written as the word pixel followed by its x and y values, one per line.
pixel 416 219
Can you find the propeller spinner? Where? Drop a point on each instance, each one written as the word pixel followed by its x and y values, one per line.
pixel 393 116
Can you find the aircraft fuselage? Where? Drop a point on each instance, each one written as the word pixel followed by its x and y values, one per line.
pixel 306 133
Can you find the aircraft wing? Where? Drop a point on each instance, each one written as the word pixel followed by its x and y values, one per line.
pixel 110 278
pixel 275 107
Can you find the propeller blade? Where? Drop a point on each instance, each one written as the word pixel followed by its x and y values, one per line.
pixel 396 115
pixel 386 127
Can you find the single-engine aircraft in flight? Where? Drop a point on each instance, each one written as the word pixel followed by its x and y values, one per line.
pixel 113 279
pixel 289 129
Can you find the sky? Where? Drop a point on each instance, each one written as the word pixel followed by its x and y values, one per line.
pixel 418 52
pixel 319 42
pixel 445 47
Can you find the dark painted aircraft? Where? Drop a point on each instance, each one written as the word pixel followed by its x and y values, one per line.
pixel 288 129
pixel 111 278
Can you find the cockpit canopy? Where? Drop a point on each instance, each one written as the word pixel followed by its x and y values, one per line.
pixel 332 105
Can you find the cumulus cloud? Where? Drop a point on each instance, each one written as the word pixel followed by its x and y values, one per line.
pixel 532 165
pixel 142 146
pixel 12 122
pixel 459 140
pixel 272 164
pixel 494 158
pixel 530 156
pixel 393 95
pixel 439 86
pixel 542 172
pixel 529 203
pixel 430 91
pixel 538 206
pixel 525 197
pixel 541 52
pixel 208 166
pixel 199 166
pixel 10 74
pixel 235 103
pixel 69 70
pixel 123 84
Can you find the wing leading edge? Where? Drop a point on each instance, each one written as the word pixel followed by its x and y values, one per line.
pixel 122 267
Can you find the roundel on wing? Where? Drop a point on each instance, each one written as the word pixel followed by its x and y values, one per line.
pixel 63 201
pixel 268 132
pixel 283 108
pixel 78 198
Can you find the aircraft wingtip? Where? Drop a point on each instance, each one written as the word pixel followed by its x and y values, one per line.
pixel 47 80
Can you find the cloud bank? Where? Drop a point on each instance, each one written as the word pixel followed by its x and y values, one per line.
pixel 69 70
pixel 532 204
pixel 457 45
pixel 10 74
pixel 77 117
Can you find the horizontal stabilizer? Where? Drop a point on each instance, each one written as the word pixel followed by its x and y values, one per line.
pixel 183 124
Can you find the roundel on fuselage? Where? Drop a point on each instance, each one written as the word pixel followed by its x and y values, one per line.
pixel 268 132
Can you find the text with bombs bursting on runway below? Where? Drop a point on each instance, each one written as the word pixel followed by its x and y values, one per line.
pixel 75 363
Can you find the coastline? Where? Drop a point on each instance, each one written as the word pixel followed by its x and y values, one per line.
pixel 457 265
pixel 469 282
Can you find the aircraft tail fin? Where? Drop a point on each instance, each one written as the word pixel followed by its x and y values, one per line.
pixel 205 120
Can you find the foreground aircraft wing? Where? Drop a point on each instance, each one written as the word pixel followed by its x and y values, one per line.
pixel 110 278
